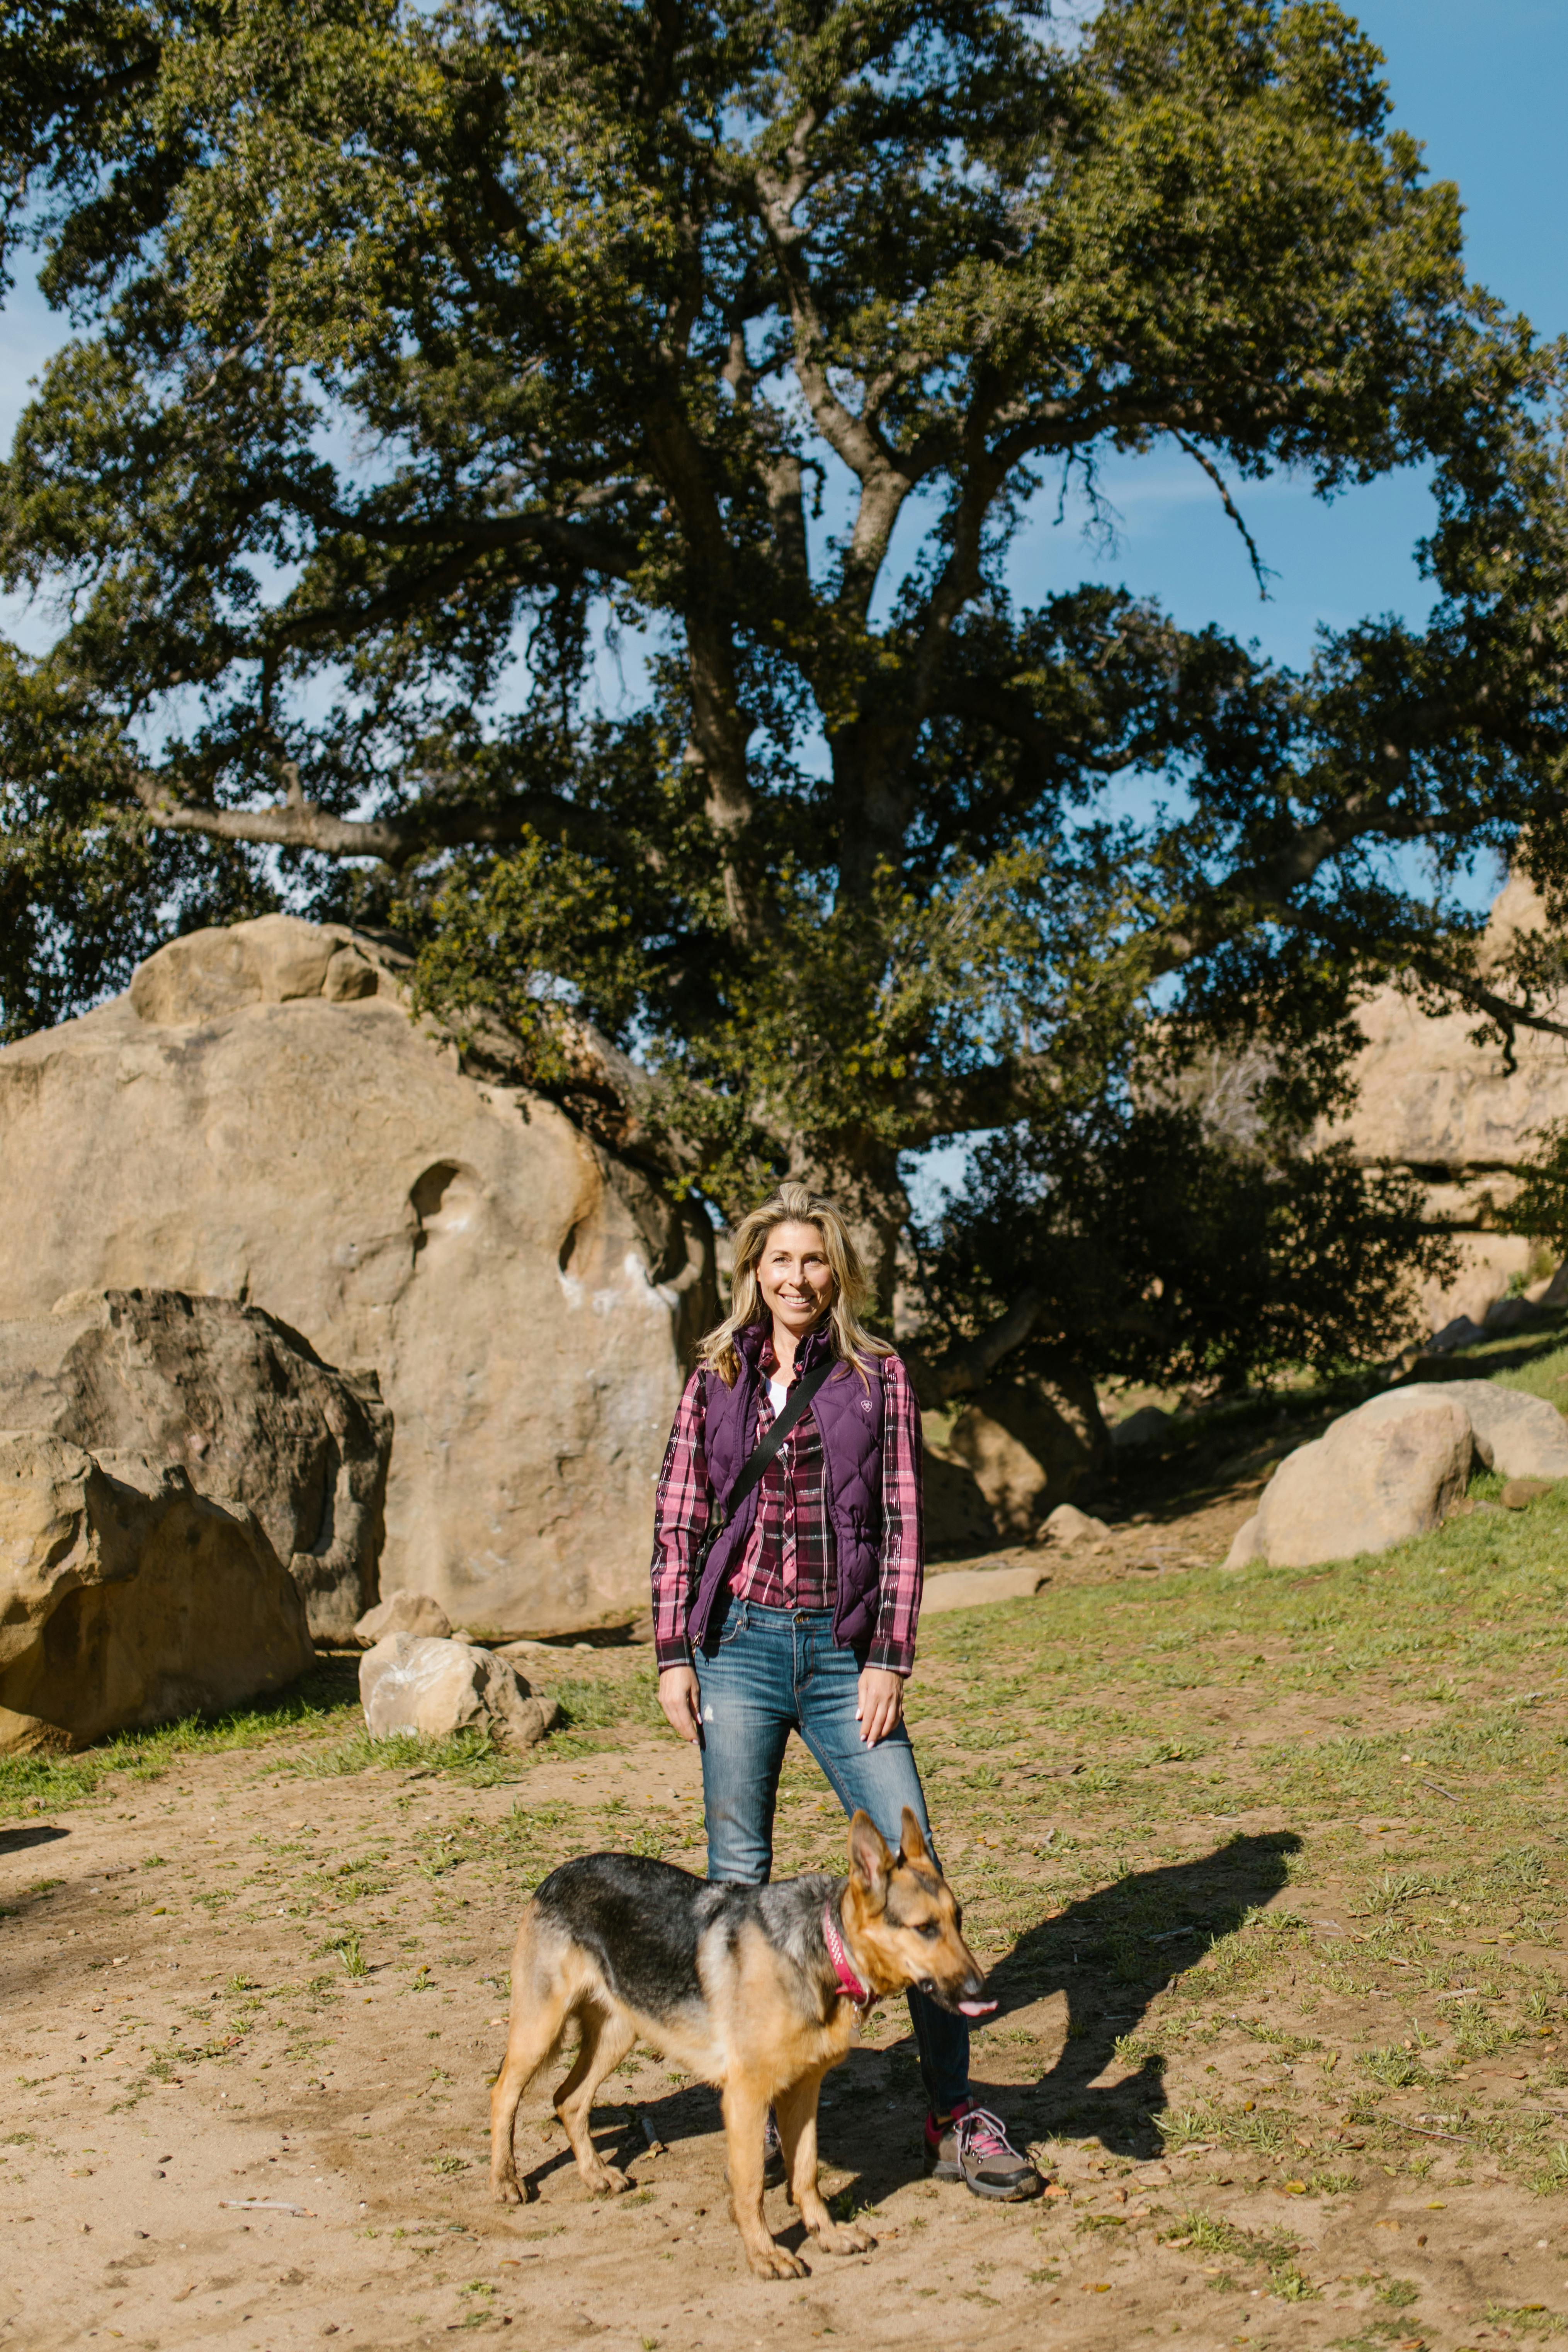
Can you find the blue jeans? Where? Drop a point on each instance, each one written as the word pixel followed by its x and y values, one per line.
pixel 764 1674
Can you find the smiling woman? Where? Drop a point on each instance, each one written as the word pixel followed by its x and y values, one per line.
pixel 786 1578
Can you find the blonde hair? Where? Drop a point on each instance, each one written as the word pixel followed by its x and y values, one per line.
pixel 793 1204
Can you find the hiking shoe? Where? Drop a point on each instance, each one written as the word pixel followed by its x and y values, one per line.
pixel 971 2145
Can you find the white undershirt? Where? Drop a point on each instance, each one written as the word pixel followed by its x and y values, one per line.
pixel 777 1392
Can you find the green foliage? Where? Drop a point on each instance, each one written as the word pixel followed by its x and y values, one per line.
pixel 1155 1249
pixel 431 360
pixel 1541 1205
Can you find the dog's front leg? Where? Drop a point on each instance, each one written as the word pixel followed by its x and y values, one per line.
pixel 745 2117
pixel 796 2110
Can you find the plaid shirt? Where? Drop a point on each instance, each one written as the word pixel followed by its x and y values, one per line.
pixel 789 1560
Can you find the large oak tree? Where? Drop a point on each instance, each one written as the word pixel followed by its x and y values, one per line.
pixel 427 352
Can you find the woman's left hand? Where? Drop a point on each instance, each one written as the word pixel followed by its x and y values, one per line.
pixel 880 1705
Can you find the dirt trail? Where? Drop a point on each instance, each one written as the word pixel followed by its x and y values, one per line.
pixel 179 2046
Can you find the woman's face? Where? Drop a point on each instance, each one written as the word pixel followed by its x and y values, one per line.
pixel 794 1278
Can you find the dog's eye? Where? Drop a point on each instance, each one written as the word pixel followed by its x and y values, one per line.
pixel 930 1930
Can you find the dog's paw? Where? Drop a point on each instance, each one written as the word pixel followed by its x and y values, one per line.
pixel 777 2262
pixel 507 2191
pixel 608 2180
pixel 852 2239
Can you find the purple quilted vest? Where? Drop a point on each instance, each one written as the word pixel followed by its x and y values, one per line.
pixel 848 1411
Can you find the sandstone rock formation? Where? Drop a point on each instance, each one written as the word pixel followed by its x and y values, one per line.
pixel 1432 1100
pixel 403 1613
pixel 128 1598
pixel 244 1405
pixel 1396 1467
pixel 411 1684
pixel 260 1119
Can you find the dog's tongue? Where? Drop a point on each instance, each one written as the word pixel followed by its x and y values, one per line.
pixel 976 2008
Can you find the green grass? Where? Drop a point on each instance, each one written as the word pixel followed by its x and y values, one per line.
pixel 318 1721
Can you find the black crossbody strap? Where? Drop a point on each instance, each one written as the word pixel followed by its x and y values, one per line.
pixel 762 1453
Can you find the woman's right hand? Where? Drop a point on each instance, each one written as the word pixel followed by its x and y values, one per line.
pixel 681 1699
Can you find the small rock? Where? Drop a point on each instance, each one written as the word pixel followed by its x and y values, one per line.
pixel 1067 1525
pixel 972 1588
pixel 1461 1333
pixel 1519 1493
pixel 403 1612
pixel 1140 1428
pixel 411 1684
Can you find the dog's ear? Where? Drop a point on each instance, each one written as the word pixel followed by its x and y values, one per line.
pixel 911 1844
pixel 869 1856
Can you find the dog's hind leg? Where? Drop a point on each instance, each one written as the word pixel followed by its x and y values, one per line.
pixel 797 2111
pixel 607 2035
pixel 542 2003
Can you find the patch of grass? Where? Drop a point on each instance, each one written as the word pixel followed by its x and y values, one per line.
pixel 321 1701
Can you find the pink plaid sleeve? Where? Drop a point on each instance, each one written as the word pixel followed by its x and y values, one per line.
pixel 679 1524
pixel 903 1544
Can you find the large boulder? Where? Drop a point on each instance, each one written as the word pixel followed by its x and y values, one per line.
pixel 1390 1470
pixel 128 1598
pixel 260 1118
pixel 1517 1435
pixel 244 1405
pixel 413 1684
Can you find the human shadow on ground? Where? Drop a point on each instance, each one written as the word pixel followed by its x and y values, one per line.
pixel 1111 1954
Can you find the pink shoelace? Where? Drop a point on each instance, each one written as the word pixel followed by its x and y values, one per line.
pixel 977 2133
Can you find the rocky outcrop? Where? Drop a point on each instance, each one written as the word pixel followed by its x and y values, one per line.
pixel 260 1119
pixel 128 1599
pixel 413 1685
pixel 1464 1119
pixel 241 1404
pixel 1395 1469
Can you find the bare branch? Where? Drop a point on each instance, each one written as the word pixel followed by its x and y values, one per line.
pixel 1262 572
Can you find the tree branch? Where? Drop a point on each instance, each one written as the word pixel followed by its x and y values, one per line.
pixel 969 1366
pixel 396 840
pixel 1261 571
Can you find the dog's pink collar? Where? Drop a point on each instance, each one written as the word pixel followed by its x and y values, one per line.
pixel 849 1984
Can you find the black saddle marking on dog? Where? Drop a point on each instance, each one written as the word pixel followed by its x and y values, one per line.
pixel 642 1920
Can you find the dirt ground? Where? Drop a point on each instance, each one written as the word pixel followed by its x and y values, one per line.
pixel 251 2008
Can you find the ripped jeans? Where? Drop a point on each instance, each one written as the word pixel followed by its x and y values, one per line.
pixel 764 1672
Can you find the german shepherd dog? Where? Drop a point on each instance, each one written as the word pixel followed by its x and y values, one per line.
pixel 756 1990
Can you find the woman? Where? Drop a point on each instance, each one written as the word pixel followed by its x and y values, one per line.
pixel 801 1615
